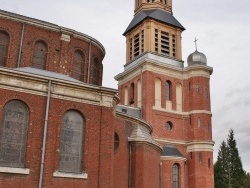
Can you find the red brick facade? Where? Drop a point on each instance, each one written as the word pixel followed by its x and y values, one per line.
pixel 123 145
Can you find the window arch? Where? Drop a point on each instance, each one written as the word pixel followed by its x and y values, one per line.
pixel 132 93
pixel 139 94
pixel 96 69
pixel 78 65
pixel 13 134
pixel 168 90
pixel 176 176
pixel 179 97
pixel 71 142
pixel 40 55
pixel 4 43
pixel 157 92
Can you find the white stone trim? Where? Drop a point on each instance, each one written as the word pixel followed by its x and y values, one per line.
pixel 65 37
pixel 182 113
pixel 170 158
pixel 200 147
pixel 14 170
pixel 70 175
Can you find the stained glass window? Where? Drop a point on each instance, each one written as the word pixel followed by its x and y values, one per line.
pixel 13 134
pixel 71 142
pixel 4 43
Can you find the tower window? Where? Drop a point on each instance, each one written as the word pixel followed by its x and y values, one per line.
pixel 173 46
pixel 142 41
pixel 176 176
pixel 156 40
pixel 169 126
pixel 136 45
pixel 4 43
pixel 116 141
pixel 199 122
pixel 165 43
pixel 39 57
pixel 200 158
pixel 168 90
pixel 130 49
pixel 132 93
pixel 197 88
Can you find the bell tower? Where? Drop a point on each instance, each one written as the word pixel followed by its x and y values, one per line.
pixel 172 98
pixel 153 29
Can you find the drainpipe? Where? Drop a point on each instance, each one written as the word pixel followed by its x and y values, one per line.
pixel 130 167
pixel 160 175
pixel 90 44
pixel 141 91
pixel 45 135
pixel 21 45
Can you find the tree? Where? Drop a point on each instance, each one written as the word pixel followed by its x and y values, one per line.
pixel 228 171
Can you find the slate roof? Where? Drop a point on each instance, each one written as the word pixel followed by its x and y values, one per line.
pixel 170 150
pixel 46 73
pixel 155 14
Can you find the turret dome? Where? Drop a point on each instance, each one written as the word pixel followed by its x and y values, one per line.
pixel 197 58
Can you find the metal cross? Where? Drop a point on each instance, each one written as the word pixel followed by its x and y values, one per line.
pixel 196 43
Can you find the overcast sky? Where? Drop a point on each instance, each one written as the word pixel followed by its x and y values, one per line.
pixel 221 26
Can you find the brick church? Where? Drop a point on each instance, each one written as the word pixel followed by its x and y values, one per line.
pixel 60 128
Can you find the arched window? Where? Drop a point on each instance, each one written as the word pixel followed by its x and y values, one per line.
pixel 139 94
pixel 96 69
pixel 40 55
pixel 78 65
pixel 126 96
pixel 178 97
pixel 200 158
pixel 132 93
pixel 199 122
pixel 116 141
pixel 168 90
pixel 4 43
pixel 71 142
pixel 176 176
pixel 13 134
pixel 157 92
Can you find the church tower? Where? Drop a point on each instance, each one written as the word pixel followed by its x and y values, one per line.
pixel 172 98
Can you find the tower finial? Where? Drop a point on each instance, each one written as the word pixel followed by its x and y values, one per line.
pixel 196 43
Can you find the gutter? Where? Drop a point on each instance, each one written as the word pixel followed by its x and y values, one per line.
pixel 20 48
pixel 45 135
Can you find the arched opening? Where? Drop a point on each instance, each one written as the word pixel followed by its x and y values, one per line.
pixel 4 43
pixel 78 65
pixel 40 55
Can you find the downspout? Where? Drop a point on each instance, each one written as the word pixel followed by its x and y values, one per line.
pixel 90 45
pixel 141 91
pixel 21 45
pixel 160 175
pixel 100 142
pixel 45 135
pixel 130 167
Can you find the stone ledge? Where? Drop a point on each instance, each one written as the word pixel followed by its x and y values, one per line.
pixel 70 175
pixel 14 170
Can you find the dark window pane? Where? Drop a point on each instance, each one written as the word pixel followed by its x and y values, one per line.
pixel 78 66
pixel 71 143
pixel 168 90
pixel 13 133
pixel 4 42
pixel 39 57
pixel 96 69
pixel 175 176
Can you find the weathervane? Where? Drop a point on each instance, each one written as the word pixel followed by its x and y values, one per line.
pixel 195 41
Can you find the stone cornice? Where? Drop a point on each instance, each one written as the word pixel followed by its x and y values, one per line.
pixel 62 89
pixel 50 26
